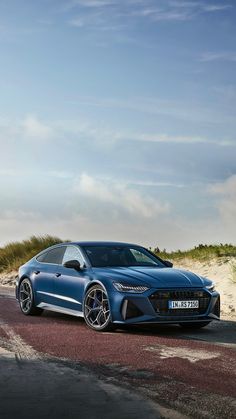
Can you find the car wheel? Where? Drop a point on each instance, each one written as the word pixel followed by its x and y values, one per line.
pixel 96 309
pixel 26 299
pixel 197 325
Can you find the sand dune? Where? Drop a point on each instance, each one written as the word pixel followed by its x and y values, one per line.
pixel 219 270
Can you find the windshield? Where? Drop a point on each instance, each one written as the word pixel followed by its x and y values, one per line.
pixel 120 256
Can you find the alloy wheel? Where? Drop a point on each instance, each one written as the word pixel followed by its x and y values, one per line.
pixel 96 308
pixel 25 296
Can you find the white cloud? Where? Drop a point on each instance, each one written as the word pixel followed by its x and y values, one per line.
pixel 172 15
pixel 60 174
pixel 158 184
pixel 216 7
pixel 155 106
pixel 171 233
pixel 101 134
pixel 120 196
pixel 106 136
pixel 99 13
pixel 93 3
pixel 79 22
pixel 226 200
pixel 35 129
pixel 218 56
pixel 165 138
pixel 28 127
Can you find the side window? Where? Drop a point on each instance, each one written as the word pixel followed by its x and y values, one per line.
pixel 41 257
pixel 73 253
pixel 53 256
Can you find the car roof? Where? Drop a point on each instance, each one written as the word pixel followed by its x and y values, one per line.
pixel 100 243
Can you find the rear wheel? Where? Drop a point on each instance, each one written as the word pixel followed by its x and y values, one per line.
pixel 96 309
pixel 196 325
pixel 26 299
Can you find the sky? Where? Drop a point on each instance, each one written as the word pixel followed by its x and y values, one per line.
pixel 117 121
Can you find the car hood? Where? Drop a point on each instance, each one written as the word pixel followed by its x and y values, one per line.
pixel 153 277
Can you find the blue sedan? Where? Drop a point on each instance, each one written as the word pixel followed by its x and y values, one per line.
pixel 111 284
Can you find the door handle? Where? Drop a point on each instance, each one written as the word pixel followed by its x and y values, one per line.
pixel 58 274
pixel 36 272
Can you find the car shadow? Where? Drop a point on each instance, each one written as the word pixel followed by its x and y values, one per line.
pixel 218 332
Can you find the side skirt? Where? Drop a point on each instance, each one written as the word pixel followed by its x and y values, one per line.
pixel 51 307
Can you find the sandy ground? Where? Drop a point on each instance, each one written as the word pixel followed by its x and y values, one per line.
pixel 8 279
pixel 219 270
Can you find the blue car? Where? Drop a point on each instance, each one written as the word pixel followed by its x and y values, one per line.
pixel 111 284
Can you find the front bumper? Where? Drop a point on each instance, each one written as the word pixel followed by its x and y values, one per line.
pixel 152 306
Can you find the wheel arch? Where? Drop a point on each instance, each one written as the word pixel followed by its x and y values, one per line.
pixel 91 284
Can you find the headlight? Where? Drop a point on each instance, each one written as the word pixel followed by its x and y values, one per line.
pixel 129 288
pixel 211 287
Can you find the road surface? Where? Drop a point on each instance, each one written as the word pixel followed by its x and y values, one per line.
pixel 174 373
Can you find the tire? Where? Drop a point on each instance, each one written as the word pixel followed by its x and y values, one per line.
pixel 96 309
pixel 197 325
pixel 26 299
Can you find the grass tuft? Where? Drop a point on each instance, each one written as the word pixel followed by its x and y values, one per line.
pixel 200 252
pixel 17 253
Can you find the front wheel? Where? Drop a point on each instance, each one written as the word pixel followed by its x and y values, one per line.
pixel 96 308
pixel 26 299
pixel 197 325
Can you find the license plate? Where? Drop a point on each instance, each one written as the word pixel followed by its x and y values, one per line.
pixel 184 304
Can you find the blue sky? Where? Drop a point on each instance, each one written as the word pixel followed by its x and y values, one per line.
pixel 118 120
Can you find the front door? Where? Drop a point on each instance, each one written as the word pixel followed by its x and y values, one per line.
pixel 69 283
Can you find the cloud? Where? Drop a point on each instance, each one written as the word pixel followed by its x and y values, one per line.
pixel 92 3
pixel 119 196
pixel 156 183
pixel 35 129
pixel 154 106
pixel 78 22
pixel 218 56
pixel 171 233
pixel 107 136
pixel 216 7
pixel 110 13
pixel 165 138
pixel 225 193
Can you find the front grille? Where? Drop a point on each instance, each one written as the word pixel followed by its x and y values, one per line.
pixel 159 301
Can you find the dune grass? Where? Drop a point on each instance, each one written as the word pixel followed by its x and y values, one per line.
pixel 17 253
pixel 200 252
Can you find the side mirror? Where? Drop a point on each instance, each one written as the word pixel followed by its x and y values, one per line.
pixel 168 263
pixel 72 264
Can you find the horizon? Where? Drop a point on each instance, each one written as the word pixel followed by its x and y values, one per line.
pixel 199 246
pixel 118 121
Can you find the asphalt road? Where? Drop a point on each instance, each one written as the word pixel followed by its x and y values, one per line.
pixel 190 373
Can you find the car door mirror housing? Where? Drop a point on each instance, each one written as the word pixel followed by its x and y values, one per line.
pixel 168 263
pixel 73 264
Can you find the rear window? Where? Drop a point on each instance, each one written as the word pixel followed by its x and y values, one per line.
pixel 52 256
